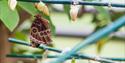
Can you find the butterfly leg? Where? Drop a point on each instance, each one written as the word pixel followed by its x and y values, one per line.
pixel 33 44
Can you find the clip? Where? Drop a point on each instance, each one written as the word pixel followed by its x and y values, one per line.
pixel 75 2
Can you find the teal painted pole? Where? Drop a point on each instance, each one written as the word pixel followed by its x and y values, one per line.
pixel 13 40
pixel 79 2
pixel 92 39
pixel 38 56
pixel 81 56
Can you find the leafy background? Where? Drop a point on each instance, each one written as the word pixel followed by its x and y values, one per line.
pixel 18 23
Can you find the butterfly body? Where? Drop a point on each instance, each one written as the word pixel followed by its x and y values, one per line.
pixel 40 32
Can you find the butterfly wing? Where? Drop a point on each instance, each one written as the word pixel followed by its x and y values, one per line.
pixel 40 32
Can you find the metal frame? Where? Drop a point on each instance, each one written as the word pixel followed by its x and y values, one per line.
pixel 89 40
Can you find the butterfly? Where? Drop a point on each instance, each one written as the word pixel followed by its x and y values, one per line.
pixel 40 32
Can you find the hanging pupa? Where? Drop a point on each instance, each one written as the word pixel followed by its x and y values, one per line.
pixel 40 32
pixel 42 7
pixel 12 4
pixel 74 10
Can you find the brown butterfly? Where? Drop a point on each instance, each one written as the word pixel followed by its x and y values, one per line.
pixel 40 32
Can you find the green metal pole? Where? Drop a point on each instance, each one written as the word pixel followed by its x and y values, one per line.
pixel 92 39
pixel 38 56
pixel 79 2
pixel 100 59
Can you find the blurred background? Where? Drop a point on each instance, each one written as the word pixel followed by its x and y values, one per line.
pixel 66 34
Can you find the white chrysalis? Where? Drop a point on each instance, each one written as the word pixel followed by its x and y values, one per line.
pixel 74 11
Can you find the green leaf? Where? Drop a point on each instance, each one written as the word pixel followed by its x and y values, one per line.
pixel 9 18
pixel 67 10
pixel 53 29
pixel 52 26
pixel 21 36
pixel 103 16
pixel 100 44
pixel 73 60
pixel 29 7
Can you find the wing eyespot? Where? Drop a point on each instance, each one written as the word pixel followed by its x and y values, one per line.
pixel 34 30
